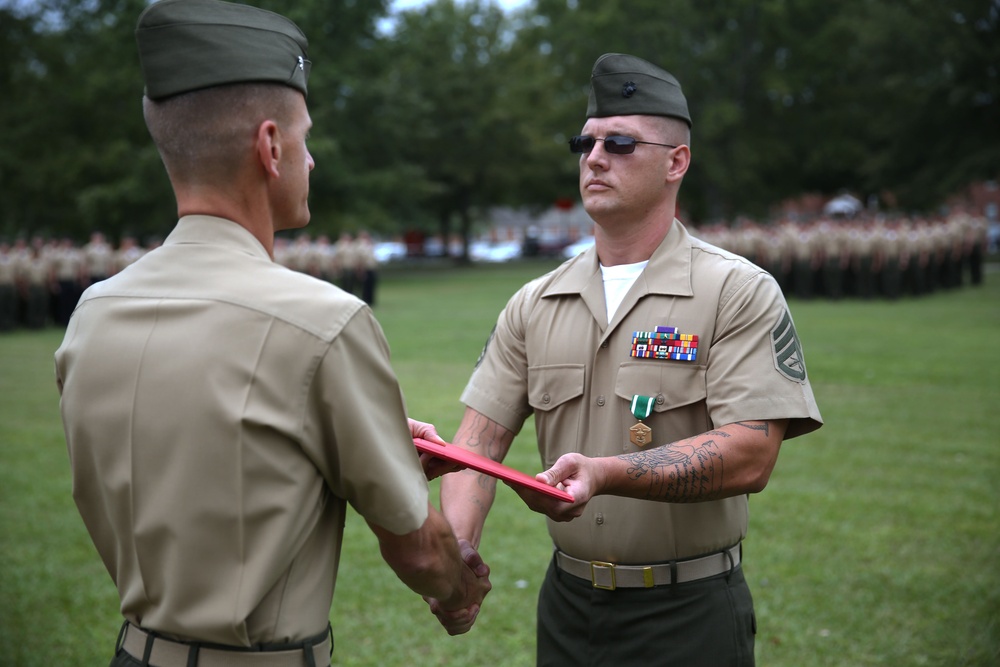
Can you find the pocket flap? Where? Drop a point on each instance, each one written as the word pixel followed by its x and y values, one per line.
pixel 549 386
pixel 672 385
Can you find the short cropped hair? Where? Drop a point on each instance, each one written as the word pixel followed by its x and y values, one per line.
pixel 673 131
pixel 205 135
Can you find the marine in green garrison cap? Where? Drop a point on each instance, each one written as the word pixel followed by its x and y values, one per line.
pixel 683 376
pixel 220 409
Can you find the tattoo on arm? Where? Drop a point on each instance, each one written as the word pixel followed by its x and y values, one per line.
pixel 484 430
pixel 682 472
pixel 484 433
pixel 763 427
pixel 485 482
pixel 479 504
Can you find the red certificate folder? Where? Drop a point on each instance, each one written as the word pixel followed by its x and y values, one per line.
pixel 489 466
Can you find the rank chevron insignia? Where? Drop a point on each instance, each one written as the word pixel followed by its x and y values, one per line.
pixel 787 350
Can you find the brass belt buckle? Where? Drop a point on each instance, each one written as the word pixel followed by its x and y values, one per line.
pixel 610 567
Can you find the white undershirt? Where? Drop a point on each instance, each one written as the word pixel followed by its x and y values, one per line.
pixel 617 282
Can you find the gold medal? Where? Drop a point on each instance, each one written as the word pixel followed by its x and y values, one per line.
pixel 640 434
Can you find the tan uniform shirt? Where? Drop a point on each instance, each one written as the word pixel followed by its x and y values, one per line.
pixel 38 270
pixel 553 354
pixel 345 256
pixel 69 263
pixel 219 411
pixel 364 254
pixel 100 259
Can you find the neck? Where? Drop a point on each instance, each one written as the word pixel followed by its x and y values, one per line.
pixel 249 211
pixel 629 244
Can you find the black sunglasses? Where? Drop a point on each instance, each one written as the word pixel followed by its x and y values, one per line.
pixel 616 144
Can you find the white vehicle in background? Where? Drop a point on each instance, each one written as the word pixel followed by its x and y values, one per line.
pixel 494 252
pixel 388 251
pixel 574 249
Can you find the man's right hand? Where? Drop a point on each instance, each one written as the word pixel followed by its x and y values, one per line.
pixel 459 614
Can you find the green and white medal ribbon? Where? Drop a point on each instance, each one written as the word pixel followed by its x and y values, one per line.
pixel 640 434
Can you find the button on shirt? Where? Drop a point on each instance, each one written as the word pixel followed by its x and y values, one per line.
pixel 555 355
pixel 220 411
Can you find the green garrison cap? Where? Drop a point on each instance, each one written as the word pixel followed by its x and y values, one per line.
pixel 622 85
pixel 187 45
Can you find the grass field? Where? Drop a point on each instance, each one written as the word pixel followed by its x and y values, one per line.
pixel 877 541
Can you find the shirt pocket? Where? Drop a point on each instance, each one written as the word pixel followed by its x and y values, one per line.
pixel 551 386
pixel 558 386
pixel 679 394
pixel 670 385
pixel 679 400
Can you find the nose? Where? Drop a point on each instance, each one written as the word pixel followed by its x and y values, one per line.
pixel 597 157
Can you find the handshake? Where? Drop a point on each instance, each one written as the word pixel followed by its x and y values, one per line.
pixel 459 613
pixel 446 570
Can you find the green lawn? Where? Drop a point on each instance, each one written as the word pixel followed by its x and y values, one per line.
pixel 877 541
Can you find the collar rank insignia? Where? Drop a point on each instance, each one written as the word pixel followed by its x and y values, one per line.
pixel 665 343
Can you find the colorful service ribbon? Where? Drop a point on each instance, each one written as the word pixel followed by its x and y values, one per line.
pixel 665 343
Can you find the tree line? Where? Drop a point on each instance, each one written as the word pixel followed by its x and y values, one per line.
pixel 429 117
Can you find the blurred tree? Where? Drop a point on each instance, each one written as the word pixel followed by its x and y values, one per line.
pixel 790 96
pixel 18 44
pixel 444 111
pixel 733 60
pixel 456 112
pixel 79 153
pixel 929 76
pixel 77 156
pixel 347 51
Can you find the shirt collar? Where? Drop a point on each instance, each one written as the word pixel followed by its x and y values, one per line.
pixel 210 230
pixel 670 263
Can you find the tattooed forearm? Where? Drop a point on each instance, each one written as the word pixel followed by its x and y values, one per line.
pixel 485 482
pixel 481 507
pixel 481 433
pixel 682 472
pixel 486 437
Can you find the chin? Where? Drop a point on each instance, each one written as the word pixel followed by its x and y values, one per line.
pixel 594 208
pixel 303 218
pixel 293 223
